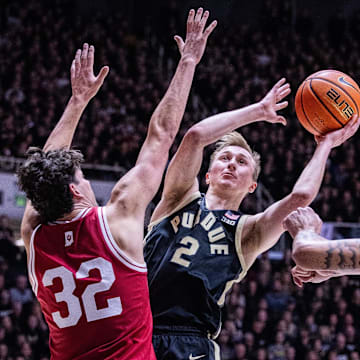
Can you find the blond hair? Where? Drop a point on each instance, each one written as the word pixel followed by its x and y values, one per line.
pixel 236 139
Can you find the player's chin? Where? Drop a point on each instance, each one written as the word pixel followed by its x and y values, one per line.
pixel 229 183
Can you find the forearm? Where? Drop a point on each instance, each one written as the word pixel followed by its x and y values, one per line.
pixel 309 182
pixel 214 127
pixel 313 252
pixel 168 114
pixel 63 133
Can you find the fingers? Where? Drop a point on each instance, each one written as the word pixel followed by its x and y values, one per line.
pixel 84 55
pixel 196 22
pixel 198 15
pixel 283 91
pixel 210 29
pixel 281 105
pixel 297 281
pixel 203 20
pixel 77 62
pixel 179 42
pixel 102 75
pixel 302 219
pixel 90 58
pixel 190 21
pixel 353 124
pixel 84 59
pixel 281 119
pixel 72 71
pixel 353 119
pixel 279 83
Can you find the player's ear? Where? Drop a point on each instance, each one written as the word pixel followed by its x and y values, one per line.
pixel 252 187
pixel 207 178
pixel 74 190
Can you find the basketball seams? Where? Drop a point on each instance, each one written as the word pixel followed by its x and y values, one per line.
pixel 322 103
pixel 319 74
pixel 340 87
pixel 315 110
pixel 302 107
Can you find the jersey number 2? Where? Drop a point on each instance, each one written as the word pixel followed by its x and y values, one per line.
pixel 194 246
pixel 92 313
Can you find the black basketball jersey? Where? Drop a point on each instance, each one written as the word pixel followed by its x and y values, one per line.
pixel 193 258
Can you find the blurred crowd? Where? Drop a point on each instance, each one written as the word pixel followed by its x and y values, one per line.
pixel 266 317
pixel 240 65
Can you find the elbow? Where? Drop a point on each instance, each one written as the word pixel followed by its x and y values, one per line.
pixel 194 135
pixel 301 198
pixel 162 134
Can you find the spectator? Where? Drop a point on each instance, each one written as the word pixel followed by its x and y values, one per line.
pixel 21 292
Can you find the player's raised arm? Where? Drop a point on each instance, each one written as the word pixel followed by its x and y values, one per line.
pixel 181 176
pixel 268 225
pixel 84 85
pixel 165 121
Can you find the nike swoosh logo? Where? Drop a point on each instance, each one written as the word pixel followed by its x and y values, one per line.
pixel 191 357
pixel 343 81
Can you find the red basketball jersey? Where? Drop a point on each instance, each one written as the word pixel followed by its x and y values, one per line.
pixel 94 297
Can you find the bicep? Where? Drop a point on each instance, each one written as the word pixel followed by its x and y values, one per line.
pixel 181 175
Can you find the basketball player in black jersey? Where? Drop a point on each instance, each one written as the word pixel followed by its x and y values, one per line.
pixel 199 245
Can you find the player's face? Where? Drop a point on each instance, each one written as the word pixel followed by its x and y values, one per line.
pixel 233 168
pixel 84 187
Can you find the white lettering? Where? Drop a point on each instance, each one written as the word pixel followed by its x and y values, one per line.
pixel 219 249
pixel 187 220
pixel 208 222
pixel 175 222
pixel 216 234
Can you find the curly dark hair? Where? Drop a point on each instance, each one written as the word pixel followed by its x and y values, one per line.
pixel 45 178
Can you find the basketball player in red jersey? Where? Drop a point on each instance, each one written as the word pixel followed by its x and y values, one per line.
pixel 85 262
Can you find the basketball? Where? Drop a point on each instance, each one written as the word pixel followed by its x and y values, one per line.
pixel 326 100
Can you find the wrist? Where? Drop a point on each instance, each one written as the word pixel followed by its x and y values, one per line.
pixel 188 60
pixel 302 235
pixel 259 111
pixel 77 102
pixel 325 145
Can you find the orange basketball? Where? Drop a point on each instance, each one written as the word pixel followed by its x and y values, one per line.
pixel 326 100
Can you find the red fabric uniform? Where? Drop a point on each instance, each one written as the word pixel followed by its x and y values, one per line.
pixel 95 298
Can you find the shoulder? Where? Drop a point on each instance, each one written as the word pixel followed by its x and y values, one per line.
pixel 30 221
pixel 161 213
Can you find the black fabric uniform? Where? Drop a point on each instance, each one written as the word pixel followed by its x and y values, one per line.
pixel 193 257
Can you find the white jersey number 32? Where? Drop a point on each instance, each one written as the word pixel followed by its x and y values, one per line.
pixel 92 313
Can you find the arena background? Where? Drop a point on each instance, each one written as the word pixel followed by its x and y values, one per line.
pixel 255 43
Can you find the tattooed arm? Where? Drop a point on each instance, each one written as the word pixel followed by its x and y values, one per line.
pixel 313 252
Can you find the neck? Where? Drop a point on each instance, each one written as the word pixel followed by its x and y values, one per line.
pixel 78 207
pixel 222 201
